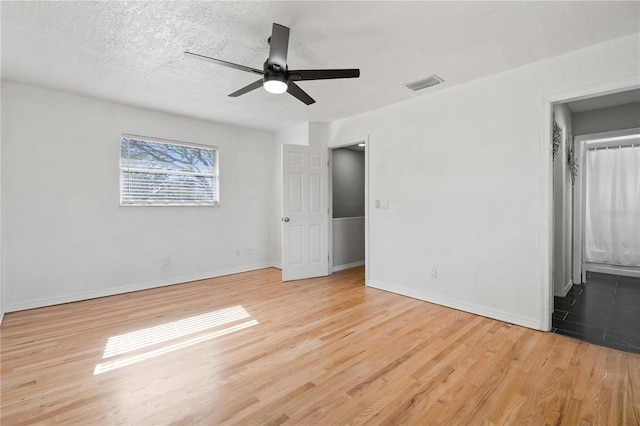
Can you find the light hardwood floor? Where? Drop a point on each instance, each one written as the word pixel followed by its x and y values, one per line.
pixel 248 349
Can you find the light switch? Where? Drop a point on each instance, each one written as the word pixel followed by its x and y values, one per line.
pixel 384 204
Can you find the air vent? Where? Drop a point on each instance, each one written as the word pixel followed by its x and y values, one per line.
pixel 432 80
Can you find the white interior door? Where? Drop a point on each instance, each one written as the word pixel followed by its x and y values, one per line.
pixel 305 219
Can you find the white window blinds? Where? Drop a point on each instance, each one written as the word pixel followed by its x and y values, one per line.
pixel 156 172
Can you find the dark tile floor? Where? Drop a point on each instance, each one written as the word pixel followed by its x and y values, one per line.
pixel 605 311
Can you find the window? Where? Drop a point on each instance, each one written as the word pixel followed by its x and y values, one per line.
pixel 155 172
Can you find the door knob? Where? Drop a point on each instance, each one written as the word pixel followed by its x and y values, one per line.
pixel 285 219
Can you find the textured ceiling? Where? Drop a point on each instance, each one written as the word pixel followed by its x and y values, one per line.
pixel 132 52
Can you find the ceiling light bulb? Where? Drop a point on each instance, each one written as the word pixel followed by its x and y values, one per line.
pixel 275 86
pixel 362 144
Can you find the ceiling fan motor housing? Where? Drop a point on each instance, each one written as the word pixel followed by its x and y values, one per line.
pixel 274 70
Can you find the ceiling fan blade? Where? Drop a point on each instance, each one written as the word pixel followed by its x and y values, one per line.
pixel 224 63
pixel 296 91
pixel 253 86
pixel 299 75
pixel 279 46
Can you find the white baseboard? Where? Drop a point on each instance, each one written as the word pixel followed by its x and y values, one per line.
pixel 466 307
pixel 75 297
pixel 347 266
pixel 276 265
pixel 1 316
pixel 567 287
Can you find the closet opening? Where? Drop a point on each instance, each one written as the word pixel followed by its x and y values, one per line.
pixel 348 201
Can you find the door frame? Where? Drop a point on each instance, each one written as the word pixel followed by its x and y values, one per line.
pixel 366 141
pixel 546 180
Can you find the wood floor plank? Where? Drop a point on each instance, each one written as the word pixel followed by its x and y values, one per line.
pixel 248 349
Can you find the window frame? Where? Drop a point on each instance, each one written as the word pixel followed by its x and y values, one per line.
pixel 216 173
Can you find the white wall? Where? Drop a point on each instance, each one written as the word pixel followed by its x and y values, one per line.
pixel 1 304
pixel 467 172
pixel 276 208
pixel 297 135
pixel 562 207
pixel 607 119
pixel 65 237
pixel 1 125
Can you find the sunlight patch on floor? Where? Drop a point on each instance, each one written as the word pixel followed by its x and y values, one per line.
pixel 140 339
pixel 128 342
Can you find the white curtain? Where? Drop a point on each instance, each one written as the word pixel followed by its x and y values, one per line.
pixel 612 216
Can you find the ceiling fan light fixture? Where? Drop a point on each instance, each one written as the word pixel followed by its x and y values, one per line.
pixel 275 84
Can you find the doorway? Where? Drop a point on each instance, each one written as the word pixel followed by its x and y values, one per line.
pixel 348 200
pixel 594 302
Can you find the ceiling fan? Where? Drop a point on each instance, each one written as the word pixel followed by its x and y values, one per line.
pixel 276 75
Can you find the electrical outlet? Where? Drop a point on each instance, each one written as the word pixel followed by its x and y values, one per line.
pixel 250 251
pixel 238 252
pixel 434 272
